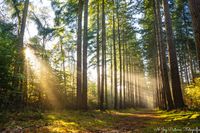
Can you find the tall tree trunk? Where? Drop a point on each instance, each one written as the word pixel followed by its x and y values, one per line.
pixel 127 72
pixel 106 85
pixel 85 45
pixel 115 62
pixel 130 71
pixel 186 71
pixel 18 83
pixel 176 86
pixel 111 75
pixel 162 48
pixel 159 68
pixel 120 56
pixel 157 96
pixel 98 62
pixel 195 12
pixel 103 56
pixel 157 89
pixel 124 72
pixel 132 89
pixel 63 65
pixel 23 25
pixel 187 45
pixel 79 51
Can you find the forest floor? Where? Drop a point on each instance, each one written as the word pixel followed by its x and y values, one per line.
pixel 124 121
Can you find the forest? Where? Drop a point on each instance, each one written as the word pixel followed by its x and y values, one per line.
pixel 102 66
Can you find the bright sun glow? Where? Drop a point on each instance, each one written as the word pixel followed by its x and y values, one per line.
pixel 28 52
pixel 40 69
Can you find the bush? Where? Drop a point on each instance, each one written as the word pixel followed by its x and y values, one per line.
pixel 192 94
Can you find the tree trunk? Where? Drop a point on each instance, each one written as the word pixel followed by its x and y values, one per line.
pixel 103 56
pixel 120 57
pixel 85 45
pixel 127 72
pixel 98 62
pixel 162 48
pixel 187 46
pixel 158 60
pixel 124 72
pixel 111 75
pixel 79 51
pixel 195 12
pixel 23 25
pixel 115 63
pixel 63 65
pixel 176 86
pixel 18 83
pixel 132 89
pixel 106 85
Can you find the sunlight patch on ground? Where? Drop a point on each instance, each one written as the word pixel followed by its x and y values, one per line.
pixel 96 121
pixel 194 116
pixel 61 126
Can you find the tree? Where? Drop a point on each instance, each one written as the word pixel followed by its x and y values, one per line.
pixel 7 54
pixel 98 56
pixel 103 56
pixel 162 49
pixel 85 46
pixel 19 69
pixel 120 55
pixel 115 60
pixel 195 13
pixel 176 86
pixel 79 51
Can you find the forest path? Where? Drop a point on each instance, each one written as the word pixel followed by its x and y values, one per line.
pixel 136 121
pixel 155 121
pixel 95 121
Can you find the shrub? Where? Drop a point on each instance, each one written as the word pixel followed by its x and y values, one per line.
pixel 192 94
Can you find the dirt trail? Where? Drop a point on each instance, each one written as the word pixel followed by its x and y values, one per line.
pixel 124 121
pixel 135 122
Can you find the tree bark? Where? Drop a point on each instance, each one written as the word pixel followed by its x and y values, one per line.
pixel 176 86
pixel 63 72
pixel 120 56
pixel 85 45
pixel 98 62
pixel 106 85
pixel 195 12
pixel 187 46
pixel 115 61
pixel 18 83
pixel 124 72
pixel 79 51
pixel 162 55
pixel 103 56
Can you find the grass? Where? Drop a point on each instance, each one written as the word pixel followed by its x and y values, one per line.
pixel 176 121
pixel 96 121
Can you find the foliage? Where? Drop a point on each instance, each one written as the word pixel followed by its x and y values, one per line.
pixel 192 94
pixel 92 94
pixel 174 121
pixel 7 56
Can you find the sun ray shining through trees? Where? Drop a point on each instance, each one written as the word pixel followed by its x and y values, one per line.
pixel 44 84
pixel 101 57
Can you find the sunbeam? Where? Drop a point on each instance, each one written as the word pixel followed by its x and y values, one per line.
pixel 45 78
pixel 139 90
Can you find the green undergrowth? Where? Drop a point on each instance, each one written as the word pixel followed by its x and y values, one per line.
pixel 192 94
pixel 65 121
pixel 96 121
pixel 175 121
